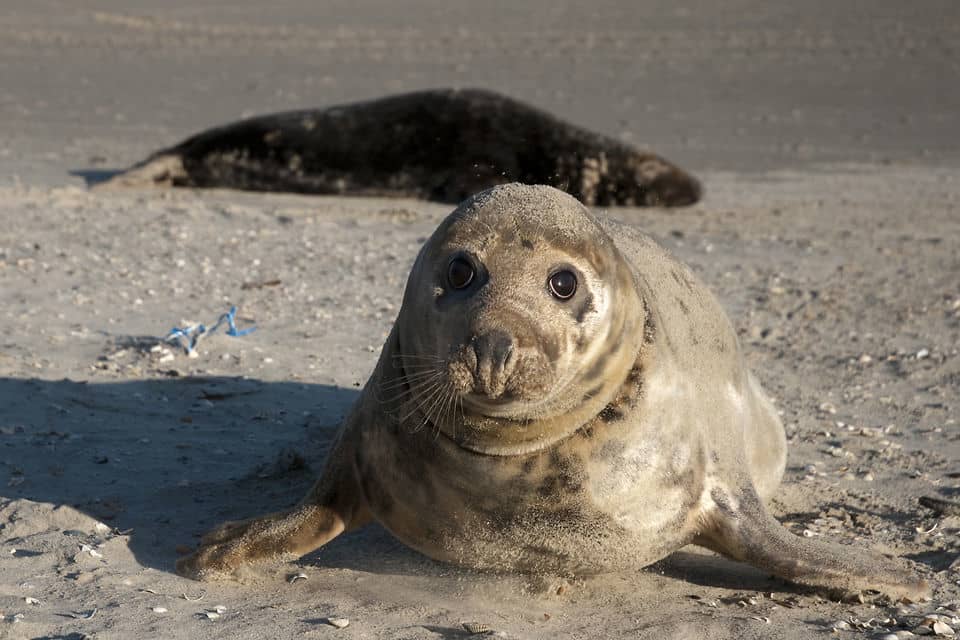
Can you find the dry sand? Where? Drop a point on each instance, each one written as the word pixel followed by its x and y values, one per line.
pixel 827 142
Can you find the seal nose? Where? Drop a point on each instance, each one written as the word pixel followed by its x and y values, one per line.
pixel 495 361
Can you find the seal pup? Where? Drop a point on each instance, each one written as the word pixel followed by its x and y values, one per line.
pixel 438 145
pixel 558 395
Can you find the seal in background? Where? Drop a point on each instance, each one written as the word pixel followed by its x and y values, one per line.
pixel 439 145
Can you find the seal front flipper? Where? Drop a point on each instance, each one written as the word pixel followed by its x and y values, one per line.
pixel 333 506
pixel 738 526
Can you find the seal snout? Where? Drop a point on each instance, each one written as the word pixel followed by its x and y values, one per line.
pixel 494 352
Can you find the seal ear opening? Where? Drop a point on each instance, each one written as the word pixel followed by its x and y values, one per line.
pixel 742 529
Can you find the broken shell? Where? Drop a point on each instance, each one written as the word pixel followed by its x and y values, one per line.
pixel 476 628
pixel 220 609
pixel 159 609
pixel 30 600
pixel 339 623
pixel 297 576
pixel 942 628
pixel 211 615
pixel 841 625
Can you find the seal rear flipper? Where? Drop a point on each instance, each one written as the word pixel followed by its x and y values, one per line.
pixel 164 169
pixel 739 527
pixel 675 188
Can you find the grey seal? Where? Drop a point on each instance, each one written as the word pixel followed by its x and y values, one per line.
pixel 558 394
pixel 444 145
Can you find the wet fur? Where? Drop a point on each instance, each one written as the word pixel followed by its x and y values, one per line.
pixel 659 438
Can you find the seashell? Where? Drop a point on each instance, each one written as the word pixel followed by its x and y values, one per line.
pixel 339 623
pixel 297 576
pixel 476 628
pixel 159 609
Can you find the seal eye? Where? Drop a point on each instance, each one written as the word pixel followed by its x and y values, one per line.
pixel 563 284
pixel 460 273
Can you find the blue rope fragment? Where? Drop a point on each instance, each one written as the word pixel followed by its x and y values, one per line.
pixel 189 337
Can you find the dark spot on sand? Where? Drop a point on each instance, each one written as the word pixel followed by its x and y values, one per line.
pixel 527 244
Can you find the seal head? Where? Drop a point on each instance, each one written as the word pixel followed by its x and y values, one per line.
pixel 522 316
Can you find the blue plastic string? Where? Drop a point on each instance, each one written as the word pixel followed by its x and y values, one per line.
pixel 189 337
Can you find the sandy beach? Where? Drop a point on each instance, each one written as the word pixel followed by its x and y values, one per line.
pixel 825 137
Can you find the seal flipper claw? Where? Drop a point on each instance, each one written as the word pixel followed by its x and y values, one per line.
pixel 742 529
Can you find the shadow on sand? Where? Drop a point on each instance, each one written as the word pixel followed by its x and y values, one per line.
pixel 170 458
pixel 94 177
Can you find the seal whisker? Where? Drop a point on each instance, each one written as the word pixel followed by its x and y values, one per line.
pixel 426 395
pixel 413 356
pixel 414 388
pixel 404 380
pixel 435 395
pixel 444 417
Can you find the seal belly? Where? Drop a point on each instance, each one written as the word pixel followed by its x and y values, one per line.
pixel 562 510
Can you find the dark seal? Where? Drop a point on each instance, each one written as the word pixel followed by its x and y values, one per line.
pixel 437 145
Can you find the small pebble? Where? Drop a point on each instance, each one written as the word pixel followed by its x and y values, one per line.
pixel 159 609
pixel 339 623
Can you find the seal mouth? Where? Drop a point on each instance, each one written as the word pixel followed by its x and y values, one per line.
pixel 507 405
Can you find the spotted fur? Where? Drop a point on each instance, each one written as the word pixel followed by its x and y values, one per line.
pixel 521 436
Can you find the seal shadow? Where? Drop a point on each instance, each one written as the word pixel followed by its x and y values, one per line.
pixel 165 459
pixel 94 177
pixel 169 458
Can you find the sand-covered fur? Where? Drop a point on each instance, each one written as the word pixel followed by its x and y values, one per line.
pixel 516 421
